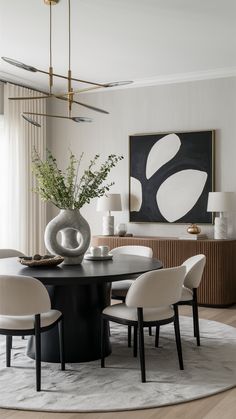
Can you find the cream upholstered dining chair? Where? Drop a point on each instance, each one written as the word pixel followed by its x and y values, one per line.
pixel 194 271
pixel 151 300
pixel 25 309
pixel 9 253
pixel 120 288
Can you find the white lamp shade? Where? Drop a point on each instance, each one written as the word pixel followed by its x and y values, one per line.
pixel 221 201
pixel 111 202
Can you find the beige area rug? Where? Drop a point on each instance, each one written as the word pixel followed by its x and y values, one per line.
pixel 86 387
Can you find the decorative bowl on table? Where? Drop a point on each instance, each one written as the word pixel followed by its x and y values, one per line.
pixel 38 260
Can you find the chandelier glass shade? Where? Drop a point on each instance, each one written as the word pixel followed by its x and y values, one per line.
pixel 67 96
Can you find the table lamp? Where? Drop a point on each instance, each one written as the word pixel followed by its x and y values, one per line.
pixel 220 202
pixel 108 203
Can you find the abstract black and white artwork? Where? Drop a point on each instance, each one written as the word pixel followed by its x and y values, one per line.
pixel 170 177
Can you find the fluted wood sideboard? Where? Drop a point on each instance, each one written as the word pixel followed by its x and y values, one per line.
pixel 218 286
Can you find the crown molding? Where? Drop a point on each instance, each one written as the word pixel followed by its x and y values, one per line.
pixel 175 78
pixel 186 77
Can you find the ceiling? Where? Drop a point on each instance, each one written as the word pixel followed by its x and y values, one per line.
pixel 148 41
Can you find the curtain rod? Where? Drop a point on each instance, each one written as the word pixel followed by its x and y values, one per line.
pixel 23 85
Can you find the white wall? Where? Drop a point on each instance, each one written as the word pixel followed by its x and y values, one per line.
pixel 200 105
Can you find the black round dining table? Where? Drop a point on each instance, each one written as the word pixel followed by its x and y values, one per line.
pixel 80 292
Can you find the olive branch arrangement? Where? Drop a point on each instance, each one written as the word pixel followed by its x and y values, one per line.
pixel 66 190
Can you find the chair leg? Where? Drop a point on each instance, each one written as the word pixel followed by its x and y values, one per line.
pixel 157 336
pixel 8 350
pixel 177 337
pixel 194 324
pixel 141 345
pixel 135 348
pixel 150 331
pixel 102 343
pixel 61 343
pixel 129 336
pixel 38 352
pixel 195 317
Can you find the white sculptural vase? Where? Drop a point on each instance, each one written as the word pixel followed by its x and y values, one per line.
pixel 75 236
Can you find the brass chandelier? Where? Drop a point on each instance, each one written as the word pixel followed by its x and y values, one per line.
pixel 67 96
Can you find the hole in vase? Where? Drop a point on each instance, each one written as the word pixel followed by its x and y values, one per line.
pixel 70 238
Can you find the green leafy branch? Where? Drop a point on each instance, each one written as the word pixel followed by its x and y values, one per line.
pixel 64 189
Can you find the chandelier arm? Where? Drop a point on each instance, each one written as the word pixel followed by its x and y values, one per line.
pixel 30 97
pixel 98 85
pixel 45 114
pixel 93 108
pixel 72 78
pixel 31 121
pixel 87 89
pixel 73 118
pixel 30 68
pixel 75 92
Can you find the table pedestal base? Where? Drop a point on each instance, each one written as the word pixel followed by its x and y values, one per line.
pixel 82 306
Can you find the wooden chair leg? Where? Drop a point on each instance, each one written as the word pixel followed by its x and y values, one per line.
pixel 61 343
pixel 102 343
pixel 129 336
pixel 38 352
pixel 195 317
pixel 150 331
pixel 157 336
pixel 177 337
pixel 135 348
pixel 141 345
pixel 8 350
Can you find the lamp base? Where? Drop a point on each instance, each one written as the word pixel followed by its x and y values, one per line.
pixel 220 228
pixel 108 225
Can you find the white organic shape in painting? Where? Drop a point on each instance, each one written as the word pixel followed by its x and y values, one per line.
pixel 161 152
pixel 179 193
pixel 135 194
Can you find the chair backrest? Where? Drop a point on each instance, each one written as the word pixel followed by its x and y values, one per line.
pixel 156 288
pixel 9 253
pixel 133 250
pixel 194 270
pixel 22 295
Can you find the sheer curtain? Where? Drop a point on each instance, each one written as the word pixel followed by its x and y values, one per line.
pixel 22 213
